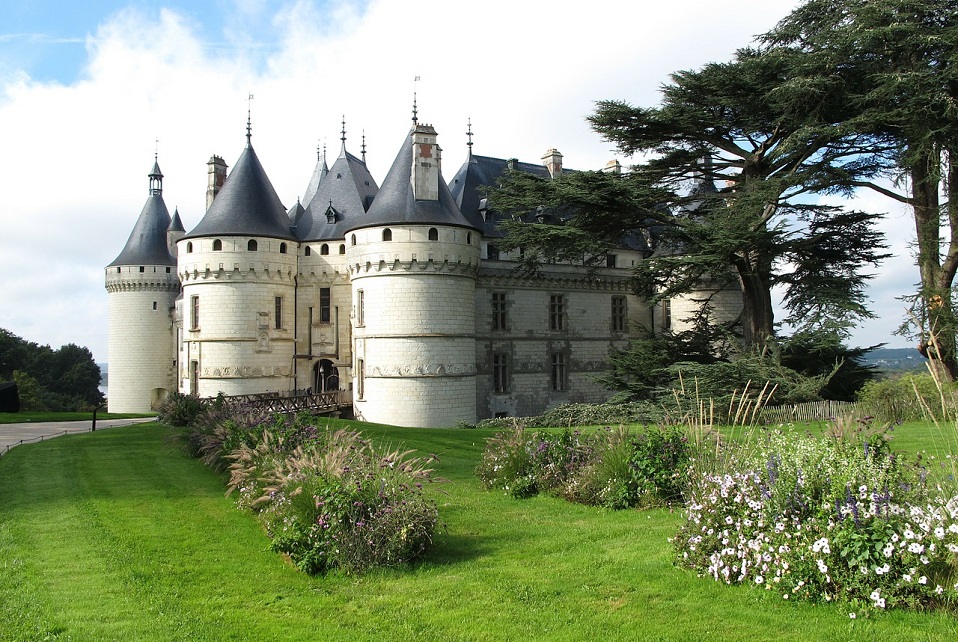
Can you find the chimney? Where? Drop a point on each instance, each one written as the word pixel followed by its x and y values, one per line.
pixel 426 161
pixel 552 159
pixel 217 176
pixel 613 166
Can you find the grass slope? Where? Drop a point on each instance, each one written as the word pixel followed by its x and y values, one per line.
pixel 117 535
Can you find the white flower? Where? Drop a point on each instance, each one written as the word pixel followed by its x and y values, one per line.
pixel 759 579
pixel 940 532
pixel 851 616
pixel 922 580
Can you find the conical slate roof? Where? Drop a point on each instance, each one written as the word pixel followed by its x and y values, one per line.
pixel 147 242
pixel 247 205
pixel 395 204
pixel 318 173
pixel 176 225
pixel 343 197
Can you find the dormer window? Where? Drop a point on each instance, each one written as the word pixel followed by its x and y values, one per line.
pixel 217 245
pixel 251 246
pixel 387 234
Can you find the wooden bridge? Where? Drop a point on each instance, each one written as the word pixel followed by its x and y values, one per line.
pixel 320 403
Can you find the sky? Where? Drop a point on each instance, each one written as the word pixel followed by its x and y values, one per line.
pixel 91 91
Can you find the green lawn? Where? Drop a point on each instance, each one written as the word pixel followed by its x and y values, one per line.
pixel 31 416
pixel 117 535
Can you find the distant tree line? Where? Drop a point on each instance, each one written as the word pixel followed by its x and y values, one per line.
pixel 61 380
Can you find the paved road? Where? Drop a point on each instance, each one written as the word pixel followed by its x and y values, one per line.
pixel 14 434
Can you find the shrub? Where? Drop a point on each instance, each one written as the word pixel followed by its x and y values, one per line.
pixel 822 520
pixel 180 409
pixel 909 397
pixel 329 500
pixel 607 468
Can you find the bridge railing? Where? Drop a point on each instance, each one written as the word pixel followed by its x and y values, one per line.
pixel 293 401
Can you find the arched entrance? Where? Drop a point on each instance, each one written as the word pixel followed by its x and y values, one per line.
pixel 325 376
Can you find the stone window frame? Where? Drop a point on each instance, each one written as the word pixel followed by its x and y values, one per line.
pixel 500 312
pixel 559 370
pixel 325 305
pixel 619 314
pixel 501 373
pixel 195 312
pixel 558 313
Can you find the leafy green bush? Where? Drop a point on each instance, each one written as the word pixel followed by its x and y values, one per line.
pixel 609 468
pixel 329 500
pixel 909 397
pixel 823 520
pixel 180 409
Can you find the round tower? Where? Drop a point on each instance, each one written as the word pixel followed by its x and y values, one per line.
pixel 142 285
pixel 412 263
pixel 238 269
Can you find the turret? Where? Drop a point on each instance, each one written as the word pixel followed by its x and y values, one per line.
pixel 143 286
pixel 412 261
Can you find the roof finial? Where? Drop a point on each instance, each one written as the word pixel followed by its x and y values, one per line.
pixel 320 152
pixel 249 121
pixel 415 111
pixel 469 134
pixel 363 148
pixel 343 134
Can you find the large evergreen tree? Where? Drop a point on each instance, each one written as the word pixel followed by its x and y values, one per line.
pixel 745 216
pixel 903 57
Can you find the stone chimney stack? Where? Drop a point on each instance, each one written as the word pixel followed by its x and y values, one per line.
pixel 217 176
pixel 426 163
pixel 552 159
pixel 613 167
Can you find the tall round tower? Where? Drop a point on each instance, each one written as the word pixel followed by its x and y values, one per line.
pixel 412 263
pixel 143 286
pixel 238 268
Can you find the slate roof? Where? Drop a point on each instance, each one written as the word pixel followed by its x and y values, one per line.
pixel 247 204
pixel 318 173
pixel 147 242
pixel 349 189
pixel 395 203
pixel 176 225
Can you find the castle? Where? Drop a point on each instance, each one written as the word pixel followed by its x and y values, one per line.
pixel 397 294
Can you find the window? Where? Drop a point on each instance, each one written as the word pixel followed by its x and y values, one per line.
pixel 557 312
pixel 282 248
pixel 278 312
pixel 189 247
pixel 610 260
pixel 251 246
pixel 142 268
pixel 619 322
pixel 360 305
pixel 342 246
pixel 194 313
pixel 469 238
pixel 433 234
pixel 307 251
pixel 217 245
pixel 492 252
pixel 119 270
pixel 154 305
pixel 352 239
pixel 667 314
pixel 387 234
pixel 558 371
pixel 360 378
pixel 500 373
pixel 499 318
pixel 168 270
pixel 324 249
pixel 324 305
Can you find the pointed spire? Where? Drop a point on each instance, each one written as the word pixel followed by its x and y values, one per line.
pixel 249 121
pixel 320 154
pixel 469 134
pixel 415 111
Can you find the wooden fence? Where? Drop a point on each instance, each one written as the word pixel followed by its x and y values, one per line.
pixel 813 411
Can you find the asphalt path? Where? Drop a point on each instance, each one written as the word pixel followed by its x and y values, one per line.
pixel 27 433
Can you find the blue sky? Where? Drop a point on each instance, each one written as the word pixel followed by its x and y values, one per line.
pixel 91 90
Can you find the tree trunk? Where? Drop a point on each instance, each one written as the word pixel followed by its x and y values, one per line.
pixel 758 319
pixel 938 340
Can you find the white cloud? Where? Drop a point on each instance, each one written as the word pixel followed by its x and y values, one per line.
pixel 75 157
